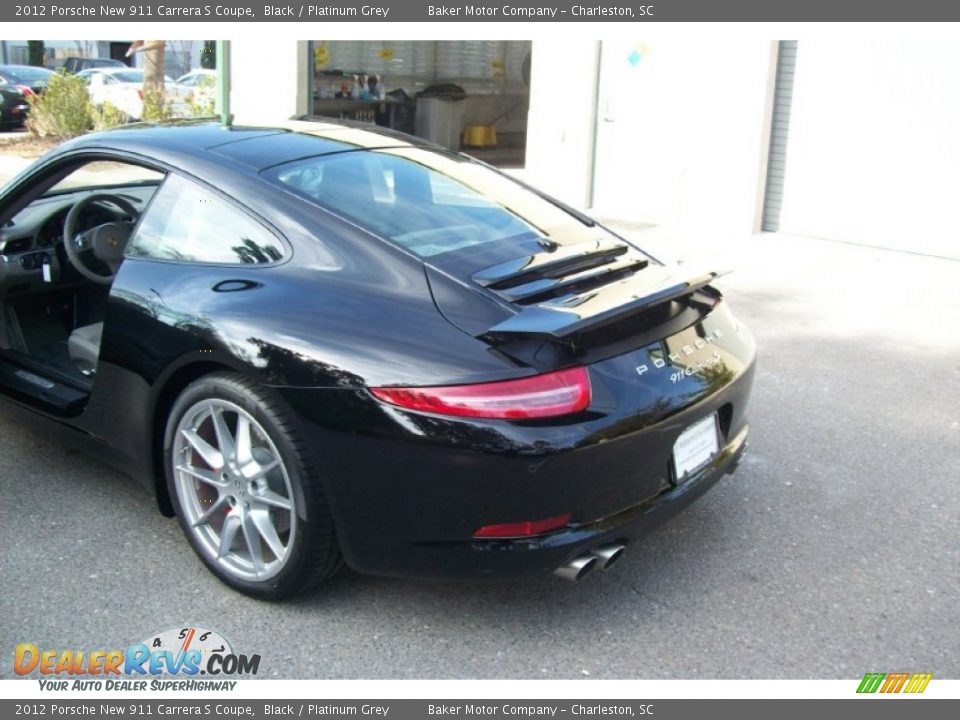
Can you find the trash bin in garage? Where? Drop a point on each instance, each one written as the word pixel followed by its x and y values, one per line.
pixel 439 120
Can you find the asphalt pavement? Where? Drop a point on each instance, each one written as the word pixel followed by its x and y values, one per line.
pixel 834 551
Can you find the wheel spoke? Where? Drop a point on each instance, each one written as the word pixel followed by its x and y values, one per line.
pixel 211 456
pixel 244 441
pixel 261 518
pixel 252 536
pixel 265 469
pixel 258 471
pixel 207 476
pixel 228 448
pixel 210 511
pixel 230 526
pixel 269 497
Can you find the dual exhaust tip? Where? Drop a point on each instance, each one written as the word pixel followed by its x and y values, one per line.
pixel 602 557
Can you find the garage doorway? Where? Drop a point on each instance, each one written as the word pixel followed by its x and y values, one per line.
pixel 469 95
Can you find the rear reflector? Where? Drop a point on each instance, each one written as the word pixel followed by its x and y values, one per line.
pixel 549 395
pixel 523 529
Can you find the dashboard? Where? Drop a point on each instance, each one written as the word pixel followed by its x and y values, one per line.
pixel 34 237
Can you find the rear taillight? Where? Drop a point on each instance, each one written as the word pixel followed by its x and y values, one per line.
pixel 140 93
pixel 25 90
pixel 548 395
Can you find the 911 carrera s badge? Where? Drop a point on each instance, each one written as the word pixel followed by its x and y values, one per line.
pixel 681 359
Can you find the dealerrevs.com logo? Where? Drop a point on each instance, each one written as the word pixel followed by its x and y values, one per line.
pixel 183 652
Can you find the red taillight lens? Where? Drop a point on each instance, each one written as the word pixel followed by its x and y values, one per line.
pixel 140 93
pixel 24 90
pixel 523 529
pixel 557 393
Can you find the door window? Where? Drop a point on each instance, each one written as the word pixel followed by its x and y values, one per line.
pixel 187 223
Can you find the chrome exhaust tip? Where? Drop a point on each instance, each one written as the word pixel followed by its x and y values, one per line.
pixel 608 555
pixel 577 569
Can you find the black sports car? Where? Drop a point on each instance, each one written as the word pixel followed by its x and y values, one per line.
pixel 17 84
pixel 324 344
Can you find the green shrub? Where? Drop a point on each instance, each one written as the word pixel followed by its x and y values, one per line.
pixel 202 101
pixel 63 110
pixel 154 106
pixel 108 115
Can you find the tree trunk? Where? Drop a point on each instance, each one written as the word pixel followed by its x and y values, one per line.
pixel 35 52
pixel 153 55
pixel 208 56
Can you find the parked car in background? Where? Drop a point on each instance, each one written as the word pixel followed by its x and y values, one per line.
pixel 202 86
pixel 74 65
pixel 17 83
pixel 13 107
pixel 122 87
pixel 199 78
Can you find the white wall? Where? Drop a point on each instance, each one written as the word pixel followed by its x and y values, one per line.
pixel 680 137
pixel 562 118
pixel 873 154
pixel 268 79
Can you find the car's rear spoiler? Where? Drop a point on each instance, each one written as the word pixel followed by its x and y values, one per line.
pixel 564 316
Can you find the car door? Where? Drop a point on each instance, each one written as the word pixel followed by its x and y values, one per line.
pixel 192 273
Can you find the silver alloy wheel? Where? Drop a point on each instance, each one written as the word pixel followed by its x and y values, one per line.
pixel 234 490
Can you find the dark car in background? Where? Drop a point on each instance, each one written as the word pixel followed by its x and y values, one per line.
pixel 13 107
pixel 17 84
pixel 323 344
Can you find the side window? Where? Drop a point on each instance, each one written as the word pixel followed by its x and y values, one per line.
pixel 187 223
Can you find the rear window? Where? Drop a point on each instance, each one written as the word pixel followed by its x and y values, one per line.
pixel 427 202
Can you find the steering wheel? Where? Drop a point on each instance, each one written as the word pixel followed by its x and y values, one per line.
pixel 107 241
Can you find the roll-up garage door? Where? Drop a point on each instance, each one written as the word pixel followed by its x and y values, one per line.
pixel 777 161
pixel 869 148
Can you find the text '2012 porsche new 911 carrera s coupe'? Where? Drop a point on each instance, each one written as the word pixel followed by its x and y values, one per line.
pixel 324 344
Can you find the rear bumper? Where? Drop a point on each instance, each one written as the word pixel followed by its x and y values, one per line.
pixel 14 113
pixel 498 559
pixel 408 507
pixel 629 524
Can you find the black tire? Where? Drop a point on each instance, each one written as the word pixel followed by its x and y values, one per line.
pixel 313 556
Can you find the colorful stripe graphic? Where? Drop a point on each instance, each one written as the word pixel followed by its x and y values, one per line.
pixel 894 682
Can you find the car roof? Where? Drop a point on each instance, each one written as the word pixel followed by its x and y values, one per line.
pixel 13 69
pixel 103 61
pixel 252 147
